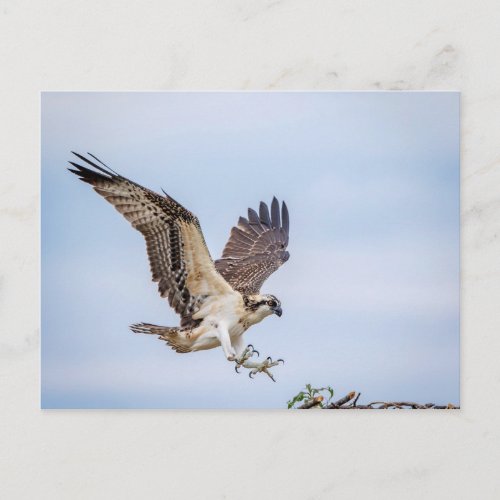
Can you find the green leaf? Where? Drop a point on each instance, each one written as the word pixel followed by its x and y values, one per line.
pixel 309 393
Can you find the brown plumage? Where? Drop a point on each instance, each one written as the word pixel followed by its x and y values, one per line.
pixel 173 336
pixel 217 302
pixel 256 248
pixel 179 258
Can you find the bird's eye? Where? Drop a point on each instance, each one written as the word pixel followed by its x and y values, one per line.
pixel 272 303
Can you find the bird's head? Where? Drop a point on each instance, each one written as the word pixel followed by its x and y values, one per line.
pixel 263 305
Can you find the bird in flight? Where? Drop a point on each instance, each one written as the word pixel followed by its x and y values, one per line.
pixel 216 301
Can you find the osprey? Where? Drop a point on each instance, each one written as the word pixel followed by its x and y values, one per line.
pixel 216 301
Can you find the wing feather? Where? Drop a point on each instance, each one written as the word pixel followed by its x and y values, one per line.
pixel 244 225
pixel 264 215
pixel 256 248
pixel 275 213
pixel 179 259
pixel 255 221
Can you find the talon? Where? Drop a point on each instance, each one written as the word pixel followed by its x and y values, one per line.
pixel 252 350
pixel 255 367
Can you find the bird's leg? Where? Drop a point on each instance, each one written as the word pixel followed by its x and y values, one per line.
pixel 245 355
pixel 244 359
pixel 262 367
pixel 225 341
pixel 255 367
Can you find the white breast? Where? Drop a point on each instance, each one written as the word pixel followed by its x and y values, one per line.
pixel 222 310
pixel 225 311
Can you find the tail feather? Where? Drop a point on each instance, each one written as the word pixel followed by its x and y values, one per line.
pixel 175 337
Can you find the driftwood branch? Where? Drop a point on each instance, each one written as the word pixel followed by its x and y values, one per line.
pixel 350 402
pixel 311 403
pixel 341 401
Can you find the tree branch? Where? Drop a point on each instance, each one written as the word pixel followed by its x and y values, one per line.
pixel 349 402
pixel 311 403
pixel 341 401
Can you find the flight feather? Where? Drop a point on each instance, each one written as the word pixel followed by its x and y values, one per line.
pixel 179 258
pixel 256 248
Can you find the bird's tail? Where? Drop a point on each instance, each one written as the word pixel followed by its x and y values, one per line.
pixel 175 337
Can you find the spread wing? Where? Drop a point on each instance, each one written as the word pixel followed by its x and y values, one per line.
pixel 179 259
pixel 256 248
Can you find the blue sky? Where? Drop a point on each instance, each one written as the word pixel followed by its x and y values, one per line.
pixel 370 294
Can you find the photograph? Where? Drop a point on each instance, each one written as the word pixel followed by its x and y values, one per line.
pixel 217 215
pixel 258 250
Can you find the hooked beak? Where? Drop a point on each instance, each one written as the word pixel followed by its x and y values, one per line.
pixel 278 311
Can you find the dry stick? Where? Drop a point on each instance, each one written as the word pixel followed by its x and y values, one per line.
pixel 356 399
pixel 311 403
pixel 341 401
pixel 341 404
